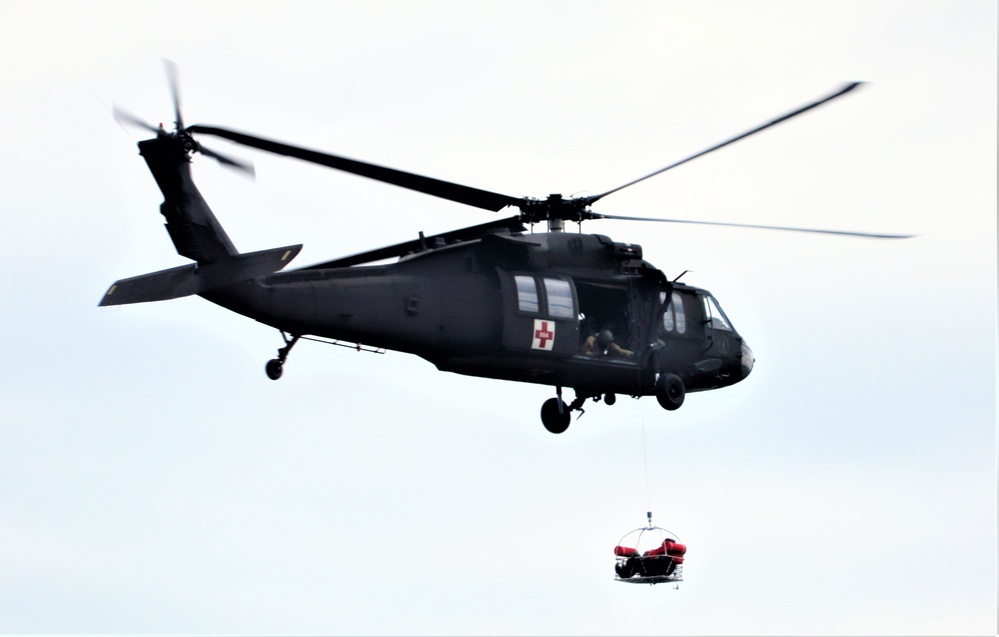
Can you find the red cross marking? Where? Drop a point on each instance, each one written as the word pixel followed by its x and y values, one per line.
pixel 543 335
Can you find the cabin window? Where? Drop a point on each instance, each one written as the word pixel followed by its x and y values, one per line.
pixel 559 294
pixel 674 317
pixel 716 318
pixel 527 294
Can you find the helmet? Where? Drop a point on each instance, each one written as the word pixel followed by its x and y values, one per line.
pixel 604 339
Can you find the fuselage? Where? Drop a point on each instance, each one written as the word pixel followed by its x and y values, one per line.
pixel 513 306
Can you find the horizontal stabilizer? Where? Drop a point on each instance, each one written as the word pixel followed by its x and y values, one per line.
pixel 195 278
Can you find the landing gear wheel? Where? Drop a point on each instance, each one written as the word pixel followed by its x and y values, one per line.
pixel 275 366
pixel 554 418
pixel 609 398
pixel 274 369
pixel 670 391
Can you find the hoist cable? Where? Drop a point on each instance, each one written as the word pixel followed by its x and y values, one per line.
pixel 648 492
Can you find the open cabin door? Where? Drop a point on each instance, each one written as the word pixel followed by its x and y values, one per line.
pixel 540 314
pixel 614 319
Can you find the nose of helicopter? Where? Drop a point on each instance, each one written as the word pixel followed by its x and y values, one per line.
pixel 748 358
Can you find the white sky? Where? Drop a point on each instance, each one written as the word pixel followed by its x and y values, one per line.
pixel 154 480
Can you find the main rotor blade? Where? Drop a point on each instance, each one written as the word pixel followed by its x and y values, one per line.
pixel 748 225
pixel 436 187
pixel 783 118
pixel 511 224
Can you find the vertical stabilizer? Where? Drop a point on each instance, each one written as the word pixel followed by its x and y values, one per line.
pixel 193 228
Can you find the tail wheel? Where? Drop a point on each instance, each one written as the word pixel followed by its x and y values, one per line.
pixel 670 391
pixel 275 366
pixel 274 369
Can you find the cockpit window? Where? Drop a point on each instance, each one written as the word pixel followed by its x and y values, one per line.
pixel 527 294
pixel 717 319
pixel 677 307
pixel 674 317
pixel 559 295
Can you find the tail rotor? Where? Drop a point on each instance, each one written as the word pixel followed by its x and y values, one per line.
pixel 180 132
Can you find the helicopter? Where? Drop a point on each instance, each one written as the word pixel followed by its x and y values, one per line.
pixel 496 300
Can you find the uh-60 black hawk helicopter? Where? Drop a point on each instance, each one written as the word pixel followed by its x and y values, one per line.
pixel 493 300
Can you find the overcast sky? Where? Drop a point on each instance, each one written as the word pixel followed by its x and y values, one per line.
pixel 154 480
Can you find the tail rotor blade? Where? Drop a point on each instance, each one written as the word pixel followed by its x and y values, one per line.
pixel 171 71
pixel 241 166
pixel 124 117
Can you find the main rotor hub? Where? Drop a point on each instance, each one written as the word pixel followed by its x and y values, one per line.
pixel 555 210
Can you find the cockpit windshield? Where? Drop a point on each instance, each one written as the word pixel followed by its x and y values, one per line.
pixel 716 317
